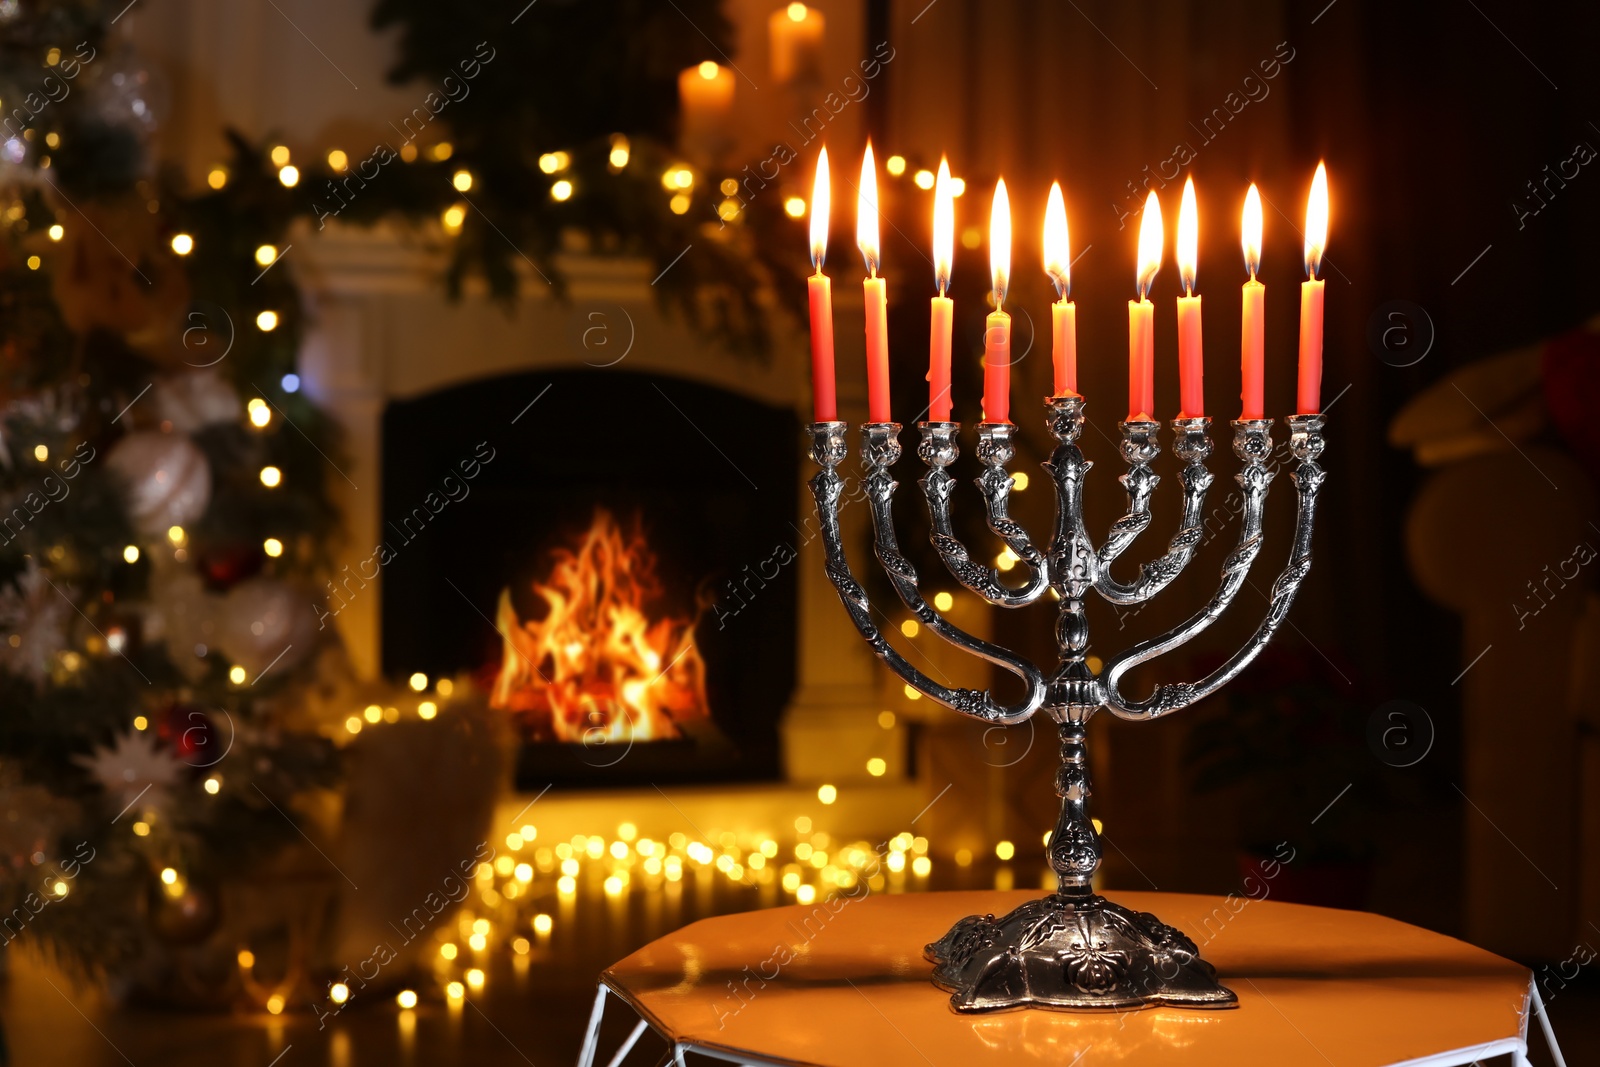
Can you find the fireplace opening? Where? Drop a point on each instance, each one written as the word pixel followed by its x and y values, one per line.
pixel 613 568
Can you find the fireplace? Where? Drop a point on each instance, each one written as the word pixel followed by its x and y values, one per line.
pixel 622 596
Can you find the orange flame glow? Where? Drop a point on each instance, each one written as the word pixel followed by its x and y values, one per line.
pixel 597 668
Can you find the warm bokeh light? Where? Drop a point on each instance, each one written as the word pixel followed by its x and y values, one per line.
pixel 57 232
pixel 708 70
pixel 462 180
pixel 944 227
pixel 337 159
pixel 272 547
pixel 182 244
pixel 923 179
pixel 267 321
pixel 265 254
pixel 280 155
pixel 827 793
pixel 794 207
pixel 1250 230
pixel 289 176
pixel 821 201
pixel 418 682
pixel 620 151
pixel 406 998
pixel 561 190
pixel 217 178
pixel 1317 220
pixel 1151 238
pixel 867 212
pixel 271 477
pixel 797 12
pixel 1000 243
pixel 1057 247
pixel 130 554
pixel 895 165
pixel 1187 250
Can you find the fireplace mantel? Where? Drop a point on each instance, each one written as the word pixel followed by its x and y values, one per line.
pixel 382 328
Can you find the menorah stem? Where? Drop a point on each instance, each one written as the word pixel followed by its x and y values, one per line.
pixel 1074 844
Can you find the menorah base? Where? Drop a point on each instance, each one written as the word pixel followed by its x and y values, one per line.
pixel 1080 953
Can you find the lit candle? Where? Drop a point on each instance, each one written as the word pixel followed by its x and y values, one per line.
pixel 795 35
pixel 944 233
pixel 1063 313
pixel 705 99
pixel 877 300
pixel 1191 367
pixel 1141 317
pixel 1252 355
pixel 997 329
pixel 1310 391
pixel 823 403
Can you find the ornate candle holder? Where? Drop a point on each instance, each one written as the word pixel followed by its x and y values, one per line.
pixel 1072 949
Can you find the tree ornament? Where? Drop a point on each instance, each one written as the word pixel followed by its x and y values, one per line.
pixel 134 768
pixel 167 479
pixel 263 619
pixel 188 731
pixel 224 566
pixel 196 399
pixel 33 622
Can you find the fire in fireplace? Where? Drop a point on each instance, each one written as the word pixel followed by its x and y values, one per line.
pixel 607 663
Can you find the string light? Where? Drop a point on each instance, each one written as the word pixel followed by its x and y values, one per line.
pixel 266 254
pixel 289 176
pixel 442 151
pixel 679 204
pixel 34 262
pixel 923 179
pixel 140 722
pixel 895 165
pixel 794 207
pixel 182 244
pixel 260 412
pixel 247 959
pixel 462 180
pixel 214 785
pixel 944 601
pixel 272 547
pixel 237 675
pixel 41 452
pixel 406 998
pixel 175 534
pixel 561 190
pixel 454 216
pixel 275 1004
pixel 886 720
pixel 217 178
pixel 619 152
pixel 280 155
pixel 337 159
pixel 353 724
pixel 910 627
pixel 1005 850
pixel 827 793
pixel 427 709
pixel 877 767
pixel 418 682
pixel 57 232
pixel 271 477
pixel 267 321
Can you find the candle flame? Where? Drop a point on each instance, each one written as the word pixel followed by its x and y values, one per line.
pixel 1317 220
pixel 867 212
pixel 820 202
pixel 1000 242
pixel 944 226
pixel 1151 238
pixel 1250 228
pixel 1057 250
pixel 1187 249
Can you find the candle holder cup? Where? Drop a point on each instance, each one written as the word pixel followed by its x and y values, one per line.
pixel 1072 949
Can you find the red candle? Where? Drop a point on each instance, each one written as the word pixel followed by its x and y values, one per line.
pixel 997 328
pixel 1310 390
pixel 944 228
pixel 824 406
pixel 1141 317
pixel 876 296
pixel 1252 343
pixel 1191 368
pixel 1063 313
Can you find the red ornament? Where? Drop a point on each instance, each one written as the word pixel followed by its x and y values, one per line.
pixel 190 733
pixel 224 566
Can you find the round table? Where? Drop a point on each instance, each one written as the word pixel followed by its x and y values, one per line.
pixel 843 983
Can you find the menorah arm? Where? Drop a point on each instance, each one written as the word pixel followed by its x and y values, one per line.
pixel 938 450
pixel 1139 447
pixel 1192 445
pixel 829 449
pixel 1252 443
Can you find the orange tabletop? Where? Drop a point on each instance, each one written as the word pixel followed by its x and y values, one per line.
pixel 844 983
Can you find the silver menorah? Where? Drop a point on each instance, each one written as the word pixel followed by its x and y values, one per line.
pixel 1073 949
